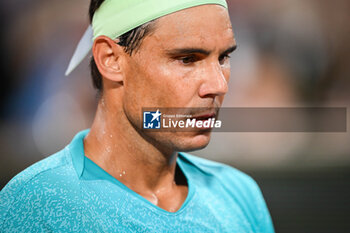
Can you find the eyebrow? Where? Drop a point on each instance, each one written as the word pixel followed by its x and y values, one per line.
pixel 230 50
pixel 198 50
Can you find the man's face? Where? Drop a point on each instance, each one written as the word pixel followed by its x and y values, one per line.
pixel 183 63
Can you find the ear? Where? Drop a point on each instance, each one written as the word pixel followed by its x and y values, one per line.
pixel 108 58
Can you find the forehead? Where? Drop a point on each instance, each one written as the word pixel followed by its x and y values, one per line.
pixel 200 25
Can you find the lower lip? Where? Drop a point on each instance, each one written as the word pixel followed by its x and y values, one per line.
pixel 212 118
pixel 205 118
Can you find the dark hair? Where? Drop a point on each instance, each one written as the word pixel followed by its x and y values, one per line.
pixel 130 40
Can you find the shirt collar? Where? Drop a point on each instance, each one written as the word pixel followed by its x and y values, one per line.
pixel 76 148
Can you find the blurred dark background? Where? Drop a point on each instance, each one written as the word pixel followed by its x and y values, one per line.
pixel 290 53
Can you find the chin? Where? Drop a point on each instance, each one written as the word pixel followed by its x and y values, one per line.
pixel 180 141
pixel 193 142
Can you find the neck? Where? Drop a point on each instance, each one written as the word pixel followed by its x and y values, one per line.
pixel 116 146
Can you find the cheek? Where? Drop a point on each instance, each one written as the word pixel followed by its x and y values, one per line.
pixel 227 74
pixel 159 83
pixel 226 70
pixel 177 85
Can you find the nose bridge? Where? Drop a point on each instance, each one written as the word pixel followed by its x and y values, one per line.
pixel 215 82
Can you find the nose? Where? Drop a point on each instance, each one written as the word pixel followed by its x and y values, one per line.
pixel 215 82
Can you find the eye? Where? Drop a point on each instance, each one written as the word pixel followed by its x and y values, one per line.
pixel 223 59
pixel 188 59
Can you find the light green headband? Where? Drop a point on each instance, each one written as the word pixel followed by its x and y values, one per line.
pixel 116 17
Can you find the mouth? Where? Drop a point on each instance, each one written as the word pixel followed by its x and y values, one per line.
pixel 204 117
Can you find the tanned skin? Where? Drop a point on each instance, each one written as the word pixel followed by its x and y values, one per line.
pixel 182 63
